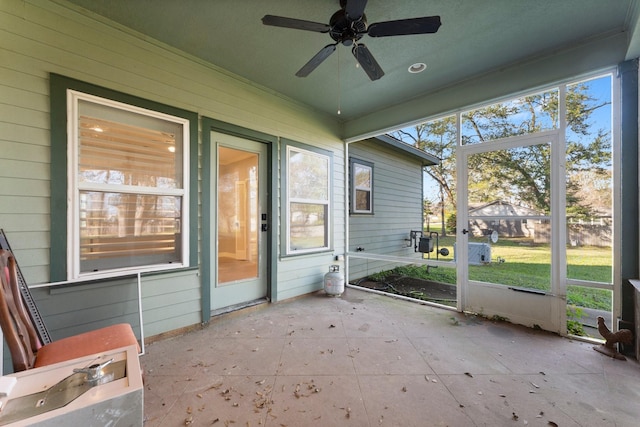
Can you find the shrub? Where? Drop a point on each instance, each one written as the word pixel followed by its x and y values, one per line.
pixel 451 222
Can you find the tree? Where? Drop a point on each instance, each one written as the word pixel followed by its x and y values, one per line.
pixel 427 211
pixel 438 138
pixel 522 175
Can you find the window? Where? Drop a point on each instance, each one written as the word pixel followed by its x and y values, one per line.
pixel 361 186
pixel 128 178
pixel 307 199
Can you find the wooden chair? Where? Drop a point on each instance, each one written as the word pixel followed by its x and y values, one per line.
pixel 27 350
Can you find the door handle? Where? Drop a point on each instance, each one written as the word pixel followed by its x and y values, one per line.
pixel 265 227
pixel 465 231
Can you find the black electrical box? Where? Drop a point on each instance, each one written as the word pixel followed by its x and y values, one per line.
pixel 425 245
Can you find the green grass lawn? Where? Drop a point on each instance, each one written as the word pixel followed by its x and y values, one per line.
pixel 528 265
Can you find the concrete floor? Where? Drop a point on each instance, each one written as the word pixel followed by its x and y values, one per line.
pixel 369 360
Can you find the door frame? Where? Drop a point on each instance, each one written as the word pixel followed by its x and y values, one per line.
pixel 543 309
pixel 208 224
pixel 560 280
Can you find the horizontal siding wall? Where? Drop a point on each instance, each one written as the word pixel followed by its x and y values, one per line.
pixel 41 37
pixel 397 207
pixel 172 298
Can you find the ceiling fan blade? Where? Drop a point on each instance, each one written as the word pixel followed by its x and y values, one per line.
pixel 402 27
pixel 355 9
pixel 297 24
pixel 316 60
pixel 367 61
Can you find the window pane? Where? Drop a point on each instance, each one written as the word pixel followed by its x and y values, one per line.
pixel 589 181
pixel 363 200
pixel 526 115
pixel 125 148
pixel 120 230
pixel 308 228
pixel 238 215
pixel 362 177
pixel 308 176
pixel 584 305
pixel 509 194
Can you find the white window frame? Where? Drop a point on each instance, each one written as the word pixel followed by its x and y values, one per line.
pixel 290 200
pixel 74 187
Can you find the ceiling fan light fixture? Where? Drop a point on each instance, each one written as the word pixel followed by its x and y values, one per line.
pixel 418 67
pixel 347 26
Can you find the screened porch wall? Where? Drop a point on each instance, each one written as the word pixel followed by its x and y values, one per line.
pixel 397 209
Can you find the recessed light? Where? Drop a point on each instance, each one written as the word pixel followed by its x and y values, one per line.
pixel 418 67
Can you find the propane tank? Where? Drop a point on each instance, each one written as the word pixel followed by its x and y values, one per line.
pixel 334 281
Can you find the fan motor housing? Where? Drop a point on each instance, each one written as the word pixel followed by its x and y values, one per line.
pixel 345 31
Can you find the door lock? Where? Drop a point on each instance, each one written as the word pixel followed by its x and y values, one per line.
pixel 465 231
pixel 265 227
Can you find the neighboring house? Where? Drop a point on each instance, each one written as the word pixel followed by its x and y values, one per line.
pixel 519 226
pixel 385 202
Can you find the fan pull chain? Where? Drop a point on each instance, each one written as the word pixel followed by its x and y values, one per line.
pixel 339 82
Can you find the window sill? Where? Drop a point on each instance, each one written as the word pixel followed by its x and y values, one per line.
pixel 104 281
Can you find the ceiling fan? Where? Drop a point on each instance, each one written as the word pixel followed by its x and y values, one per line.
pixel 347 26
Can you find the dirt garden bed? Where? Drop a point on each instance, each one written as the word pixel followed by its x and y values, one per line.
pixel 426 290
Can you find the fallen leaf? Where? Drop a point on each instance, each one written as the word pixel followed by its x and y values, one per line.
pixel 468 374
